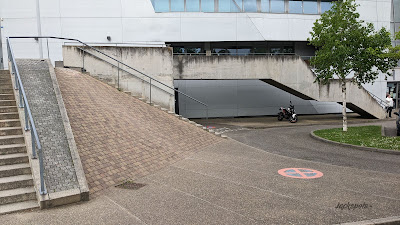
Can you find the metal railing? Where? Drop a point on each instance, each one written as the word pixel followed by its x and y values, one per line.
pixel 29 122
pixel 117 44
pixel 381 102
pixel 151 79
pixel 234 54
pixel 119 68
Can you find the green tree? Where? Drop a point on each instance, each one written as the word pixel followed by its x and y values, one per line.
pixel 349 49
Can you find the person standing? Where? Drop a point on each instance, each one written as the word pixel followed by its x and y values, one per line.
pixel 389 102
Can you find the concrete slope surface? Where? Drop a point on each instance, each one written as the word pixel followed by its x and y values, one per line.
pixel 119 137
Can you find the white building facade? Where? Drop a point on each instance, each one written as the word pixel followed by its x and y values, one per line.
pixel 235 27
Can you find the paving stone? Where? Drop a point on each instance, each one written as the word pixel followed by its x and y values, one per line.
pixel 120 137
pixel 59 169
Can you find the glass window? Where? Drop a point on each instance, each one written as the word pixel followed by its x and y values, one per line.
pixel 288 49
pixel 325 5
pixel 177 5
pixel 250 5
pixel 192 5
pixel 224 5
pixel 207 6
pixel 275 50
pixel 396 8
pixel 161 5
pixel 229 5
pixel 264 5
pixel 237 5
pixel 310 7
pixel 277 6
pixel 295 6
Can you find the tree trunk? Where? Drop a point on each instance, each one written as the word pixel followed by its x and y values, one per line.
pixel 344 105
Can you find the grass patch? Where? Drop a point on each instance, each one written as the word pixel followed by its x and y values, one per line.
pixel 367 136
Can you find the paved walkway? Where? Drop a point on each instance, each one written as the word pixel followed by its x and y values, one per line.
pixel 59 171
pixel 221 182
pixel 245 123
pixel 119 137
pixel 232 183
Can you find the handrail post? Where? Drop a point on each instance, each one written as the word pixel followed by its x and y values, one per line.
pixel 42 188
pixel 150 90
pixel 118 76
pixel 21 101
pixel 206 116
pixel 26 118
pixel 83 61
pixel 33 144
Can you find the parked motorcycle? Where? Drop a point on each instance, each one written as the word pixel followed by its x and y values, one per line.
pixel 288 113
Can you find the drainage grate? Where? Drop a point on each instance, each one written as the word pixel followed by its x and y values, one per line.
pixel 130 185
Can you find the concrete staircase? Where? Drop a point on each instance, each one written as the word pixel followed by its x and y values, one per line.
pixel 16 184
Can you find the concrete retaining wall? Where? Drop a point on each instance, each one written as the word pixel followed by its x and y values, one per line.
pixel 155 62
pixel 287 72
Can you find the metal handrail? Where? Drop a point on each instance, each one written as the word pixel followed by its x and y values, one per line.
pixel 95 56
pixel 29 122
pixel 234 54
pixel 379 100
pixel 187 96
pixel 121 44
pixel 71 39
pixel 116 60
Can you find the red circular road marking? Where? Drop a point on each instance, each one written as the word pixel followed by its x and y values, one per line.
pixel 300 173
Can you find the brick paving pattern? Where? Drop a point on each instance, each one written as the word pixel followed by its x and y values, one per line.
pixel 118 136
pixel 59 170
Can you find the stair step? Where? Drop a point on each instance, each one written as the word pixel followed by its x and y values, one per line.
pixel 4 109
pixel 10 131
pixel 17 195
pixel 20 181
pixel 17 207
pixel 7 96
pixel 5 80
pixel 12 139
pixel 10 123
pixel 8 116
pixel 14 170
pixel 11 159
pixel 12 149
pixel 5 84
pixel 7 102
pixel 7 90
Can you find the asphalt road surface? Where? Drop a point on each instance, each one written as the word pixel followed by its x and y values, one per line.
pixel 296 142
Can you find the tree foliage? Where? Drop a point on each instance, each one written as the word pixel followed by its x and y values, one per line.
pixel 350 48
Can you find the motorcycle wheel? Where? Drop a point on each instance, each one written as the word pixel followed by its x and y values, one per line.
pixel 280 116
pixel 293 120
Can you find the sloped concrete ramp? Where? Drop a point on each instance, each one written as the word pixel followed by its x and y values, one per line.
pixel 119 137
